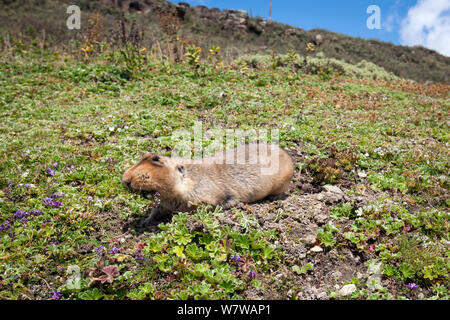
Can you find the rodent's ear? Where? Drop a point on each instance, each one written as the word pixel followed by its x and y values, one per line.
pixel 157 161
pixel 153 159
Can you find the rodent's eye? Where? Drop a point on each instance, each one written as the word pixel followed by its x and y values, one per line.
pixel 180 169
pixel 155 158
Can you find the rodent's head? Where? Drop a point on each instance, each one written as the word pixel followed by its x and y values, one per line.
pixel 152 173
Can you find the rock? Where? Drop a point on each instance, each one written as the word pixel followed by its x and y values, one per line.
pixel 331 194
pixel 279 275
pixel 181 8
pixel 255 28
pixel 321 218
pixel 292 32
pixel 236 20
pixel 183 4
pixel 316 249
pixel 200 11
pixel 347 290
pixel 334 255
pixel 242 13
pixel 332 189
pixel 330 198
pixel 262 22
pixel 318 39
pixel 233 20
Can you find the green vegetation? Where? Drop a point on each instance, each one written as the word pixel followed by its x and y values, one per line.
pixel 320 65
pixel 71 123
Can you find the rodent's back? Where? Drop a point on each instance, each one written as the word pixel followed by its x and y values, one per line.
pixel 246 174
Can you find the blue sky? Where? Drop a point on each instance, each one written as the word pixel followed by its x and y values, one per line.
pixel 407 22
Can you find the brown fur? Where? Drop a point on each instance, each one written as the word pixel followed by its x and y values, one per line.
pixel 183 182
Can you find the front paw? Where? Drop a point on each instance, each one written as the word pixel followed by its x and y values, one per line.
pixel 232 204
pixel 149 221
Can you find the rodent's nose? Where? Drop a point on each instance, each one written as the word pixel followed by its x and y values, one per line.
pixel 127 184
pixel 126 180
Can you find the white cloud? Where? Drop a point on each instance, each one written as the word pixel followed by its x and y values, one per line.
pixel 393 19
pixel 428 24
pixel 388 24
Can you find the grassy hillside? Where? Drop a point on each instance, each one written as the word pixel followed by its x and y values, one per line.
pixel 366 215
pixel 159 21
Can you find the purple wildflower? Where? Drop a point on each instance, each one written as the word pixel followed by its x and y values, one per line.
pixel 20 214
pixel 5 226
pixel 412 286
pixel 237 259
pixel 35 212
pixel 23 220
pixel 114 250
pixel 49 202
pixel 50 172
pixel 156 203
pixel 156 200
pixel 58 194
pixel 25 155
pixel 57 204
pixel 56 295
pixel 138 255
pixel 100 250
pixel 55 165
pixel 72 167
pixel 27 186
pixel 252 274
